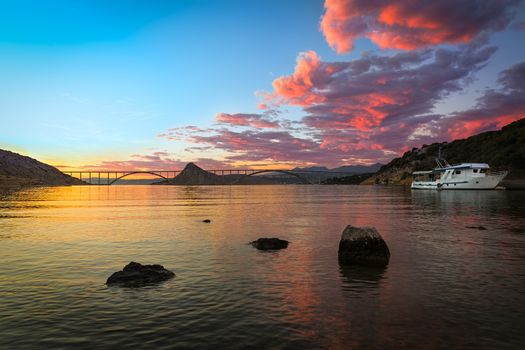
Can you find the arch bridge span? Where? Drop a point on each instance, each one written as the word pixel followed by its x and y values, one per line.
pixel 138 172
pixel 109 177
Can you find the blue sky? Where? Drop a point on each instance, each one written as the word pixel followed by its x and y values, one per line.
pixel 90 81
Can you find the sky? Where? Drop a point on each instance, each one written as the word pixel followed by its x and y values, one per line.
pixel 136 85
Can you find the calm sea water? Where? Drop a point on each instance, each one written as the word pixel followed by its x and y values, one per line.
pixel 447 286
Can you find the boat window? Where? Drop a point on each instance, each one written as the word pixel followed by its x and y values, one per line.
pixel 457 172
pixel 475 170
pixel 483 171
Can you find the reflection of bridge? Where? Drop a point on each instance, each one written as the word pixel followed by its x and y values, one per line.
pixel 109 177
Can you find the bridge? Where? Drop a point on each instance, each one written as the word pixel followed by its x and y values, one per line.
pixel 109 177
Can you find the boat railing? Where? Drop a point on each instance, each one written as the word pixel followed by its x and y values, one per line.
pixel 442 163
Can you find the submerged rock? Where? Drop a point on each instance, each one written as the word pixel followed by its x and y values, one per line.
pixel 269 243
pixel 206 221
pixel 362 246
pixel 136 275
pixel 481 228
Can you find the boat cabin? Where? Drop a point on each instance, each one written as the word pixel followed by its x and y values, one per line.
pixel 464 171
pixel 426 176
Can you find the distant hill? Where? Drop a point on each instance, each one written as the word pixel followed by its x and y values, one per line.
pixel 312 168
pixel 347 180
pixel 502 149
pixel 355 169
pixel 194 175
pixel 359 169
pixel 17 170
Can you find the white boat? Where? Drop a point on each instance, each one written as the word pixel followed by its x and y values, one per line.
pixel 464 176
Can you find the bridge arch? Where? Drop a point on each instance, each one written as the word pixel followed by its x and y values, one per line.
pixel 137 172
pixel 276 171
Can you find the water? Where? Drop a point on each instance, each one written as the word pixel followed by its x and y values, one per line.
pixel 447 286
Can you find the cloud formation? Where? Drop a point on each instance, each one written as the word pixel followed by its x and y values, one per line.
pixel 154 161
pixel 371 109
pixel 377 90
pixel 495 108
pixel 375 107
pixel 245 119
pixel 412 24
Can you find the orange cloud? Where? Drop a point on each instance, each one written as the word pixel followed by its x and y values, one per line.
pixel 412 24
pixel 244 119
pixel 298 88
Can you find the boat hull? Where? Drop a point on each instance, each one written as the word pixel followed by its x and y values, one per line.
pixel 488 182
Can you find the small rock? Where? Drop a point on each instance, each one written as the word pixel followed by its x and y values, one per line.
pixel 269 243
pixel 481 228
pixel 206 221
pixel 362 246
pixel 137 275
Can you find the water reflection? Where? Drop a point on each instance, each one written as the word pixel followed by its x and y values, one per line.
pixel 61 244
pixel 357 279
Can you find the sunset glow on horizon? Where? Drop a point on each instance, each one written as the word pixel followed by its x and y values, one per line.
pixel 137 85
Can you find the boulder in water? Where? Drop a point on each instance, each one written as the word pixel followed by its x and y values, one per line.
pixel 137 275
pixel 207 221
pixel 269 243
pixel 362 246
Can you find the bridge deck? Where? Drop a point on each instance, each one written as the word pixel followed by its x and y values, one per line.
pixel 108 177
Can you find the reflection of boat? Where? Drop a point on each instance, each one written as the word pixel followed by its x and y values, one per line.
pixel 464 176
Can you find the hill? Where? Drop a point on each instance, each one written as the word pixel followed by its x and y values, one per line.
pixel 347 180
pixel 502 149
pixel 17 171
pixel 356 169
pixel 194 175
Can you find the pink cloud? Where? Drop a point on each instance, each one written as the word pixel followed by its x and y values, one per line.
pixel 365 93
pixel 244 119
pixel 412 24
pixel 495 108
pixel 373 109
pixel 155 161
pixel 297 88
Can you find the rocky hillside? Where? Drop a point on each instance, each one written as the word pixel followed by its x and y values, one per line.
pixel 17 170
pixel 502 149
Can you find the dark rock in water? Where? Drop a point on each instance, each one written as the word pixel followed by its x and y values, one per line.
pixel 136 275
pixel 362 246
pixel 206 221
pixel 269 243
pixel 481 228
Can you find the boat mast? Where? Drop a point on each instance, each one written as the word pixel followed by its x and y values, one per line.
pixel 441 162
